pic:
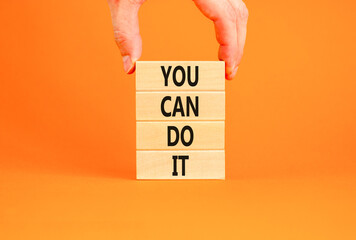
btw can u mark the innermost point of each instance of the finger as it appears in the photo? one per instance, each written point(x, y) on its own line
point(224, 16)
point(241, 26)
point(124, 15)
point(228, 46)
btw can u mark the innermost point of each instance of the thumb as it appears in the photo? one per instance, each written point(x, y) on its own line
point(124, 14)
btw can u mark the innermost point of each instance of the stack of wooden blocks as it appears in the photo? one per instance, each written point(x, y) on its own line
point(180, 114)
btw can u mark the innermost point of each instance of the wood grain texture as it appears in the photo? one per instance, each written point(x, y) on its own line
point(211, 105)
point(172, 97)
point(154, 135)
point(200, 165)
point(149, 75)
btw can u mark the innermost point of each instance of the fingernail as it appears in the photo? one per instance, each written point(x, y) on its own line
point(232, 73)
point(128, 64)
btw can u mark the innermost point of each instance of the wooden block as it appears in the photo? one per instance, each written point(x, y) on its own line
point(162, 75)
point(180, 106)
point(163, 135)
point(198, 165)
point(180, 113)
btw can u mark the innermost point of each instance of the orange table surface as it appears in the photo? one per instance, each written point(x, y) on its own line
point(48, 206)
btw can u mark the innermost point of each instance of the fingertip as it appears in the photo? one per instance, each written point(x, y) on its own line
point(228, 55)
point(132, 69)
point(129, 65)
point(228, 77)
point(230, 73)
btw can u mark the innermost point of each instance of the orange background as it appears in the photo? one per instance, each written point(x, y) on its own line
point(67, 125)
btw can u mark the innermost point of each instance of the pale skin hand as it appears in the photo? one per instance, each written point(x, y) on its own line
point(229, 17)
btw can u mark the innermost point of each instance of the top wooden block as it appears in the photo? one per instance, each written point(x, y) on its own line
point(180, 75)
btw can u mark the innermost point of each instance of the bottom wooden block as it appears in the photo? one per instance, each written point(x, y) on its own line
point(207, 164)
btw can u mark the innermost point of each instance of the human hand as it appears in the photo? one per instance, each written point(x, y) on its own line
point(229, 17)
